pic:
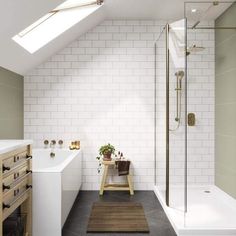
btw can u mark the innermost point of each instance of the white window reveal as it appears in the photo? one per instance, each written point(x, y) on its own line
point(55, 23)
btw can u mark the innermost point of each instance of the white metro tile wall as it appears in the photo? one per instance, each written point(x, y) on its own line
point(201, 101)
point(99, 89)
point(201, 83)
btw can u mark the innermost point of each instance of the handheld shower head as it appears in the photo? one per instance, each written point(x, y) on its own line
point(179, 74)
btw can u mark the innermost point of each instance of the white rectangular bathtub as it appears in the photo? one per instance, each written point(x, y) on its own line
point(56, 183)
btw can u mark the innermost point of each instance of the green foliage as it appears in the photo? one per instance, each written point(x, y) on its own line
point(106, 149)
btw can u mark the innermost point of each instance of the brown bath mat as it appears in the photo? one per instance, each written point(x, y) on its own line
point(125, 217)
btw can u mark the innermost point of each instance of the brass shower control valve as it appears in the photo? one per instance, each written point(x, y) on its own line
point(191, 119)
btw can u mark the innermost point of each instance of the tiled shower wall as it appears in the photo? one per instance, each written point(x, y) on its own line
point(201, 101)
point(201, 86)
point(100, 89)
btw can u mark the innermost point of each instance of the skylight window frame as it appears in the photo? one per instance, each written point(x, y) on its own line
point(19, 38)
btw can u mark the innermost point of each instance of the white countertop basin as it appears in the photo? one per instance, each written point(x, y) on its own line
point(11, 144)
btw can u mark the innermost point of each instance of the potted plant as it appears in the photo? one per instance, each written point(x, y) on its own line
point(106, 151)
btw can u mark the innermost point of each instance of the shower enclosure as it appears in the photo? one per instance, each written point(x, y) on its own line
point(195, 110)
point(170, 110)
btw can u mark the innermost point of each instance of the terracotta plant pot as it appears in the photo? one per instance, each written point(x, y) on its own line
point(107, 157)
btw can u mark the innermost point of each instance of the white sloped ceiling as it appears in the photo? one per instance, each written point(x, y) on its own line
point(16, 15)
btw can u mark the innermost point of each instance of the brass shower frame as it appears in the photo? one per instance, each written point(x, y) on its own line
point(194, 27)
point(215, 3)
point(55, 11)
point(165, 30)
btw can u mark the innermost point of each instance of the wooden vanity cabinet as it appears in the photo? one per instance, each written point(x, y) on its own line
point(16, 185)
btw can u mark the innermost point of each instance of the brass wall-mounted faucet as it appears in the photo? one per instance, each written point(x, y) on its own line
point(46, 142)
point(60, 143)
point(52, 143)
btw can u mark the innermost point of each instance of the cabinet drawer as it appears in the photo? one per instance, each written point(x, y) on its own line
point(14, 154)
point(10, 165)
point(16, 193)
point(11, 203)
point(15, 178)
point(14, 160)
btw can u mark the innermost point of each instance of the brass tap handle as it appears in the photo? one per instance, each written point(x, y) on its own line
point(60, 142)
point(52, 154)
point(53, 142)
point(46, 142)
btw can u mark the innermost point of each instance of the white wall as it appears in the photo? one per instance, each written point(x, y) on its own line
point(201, 86)
point(100, 89)
point(201, 101)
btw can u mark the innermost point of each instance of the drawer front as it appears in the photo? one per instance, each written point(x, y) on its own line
point(14, 160)
point(13, 164)
point(14, 154)
point(16, 180)
point(16, 177)
point(16, 193)
point(8, 207)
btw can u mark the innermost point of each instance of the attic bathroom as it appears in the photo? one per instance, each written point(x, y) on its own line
point(118, 118)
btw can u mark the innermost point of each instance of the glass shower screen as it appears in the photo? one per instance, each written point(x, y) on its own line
point(177, 115)
point(170, 115)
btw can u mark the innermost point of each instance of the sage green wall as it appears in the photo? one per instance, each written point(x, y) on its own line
point(11, 105)
point(225, 164)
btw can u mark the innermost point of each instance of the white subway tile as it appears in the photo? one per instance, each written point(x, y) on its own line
point(100, 89)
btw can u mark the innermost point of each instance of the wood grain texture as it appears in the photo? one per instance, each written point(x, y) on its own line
point(114, 186)
point(24, 198)
point(117, 217)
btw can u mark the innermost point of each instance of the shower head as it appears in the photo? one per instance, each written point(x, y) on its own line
point(179, 74)
point(194, 48)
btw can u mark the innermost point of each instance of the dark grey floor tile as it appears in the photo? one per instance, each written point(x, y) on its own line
point(77, 220)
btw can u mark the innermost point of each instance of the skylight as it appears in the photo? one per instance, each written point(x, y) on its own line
point(55, 23)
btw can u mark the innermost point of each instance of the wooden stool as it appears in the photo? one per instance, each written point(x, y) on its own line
point(115, 187)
